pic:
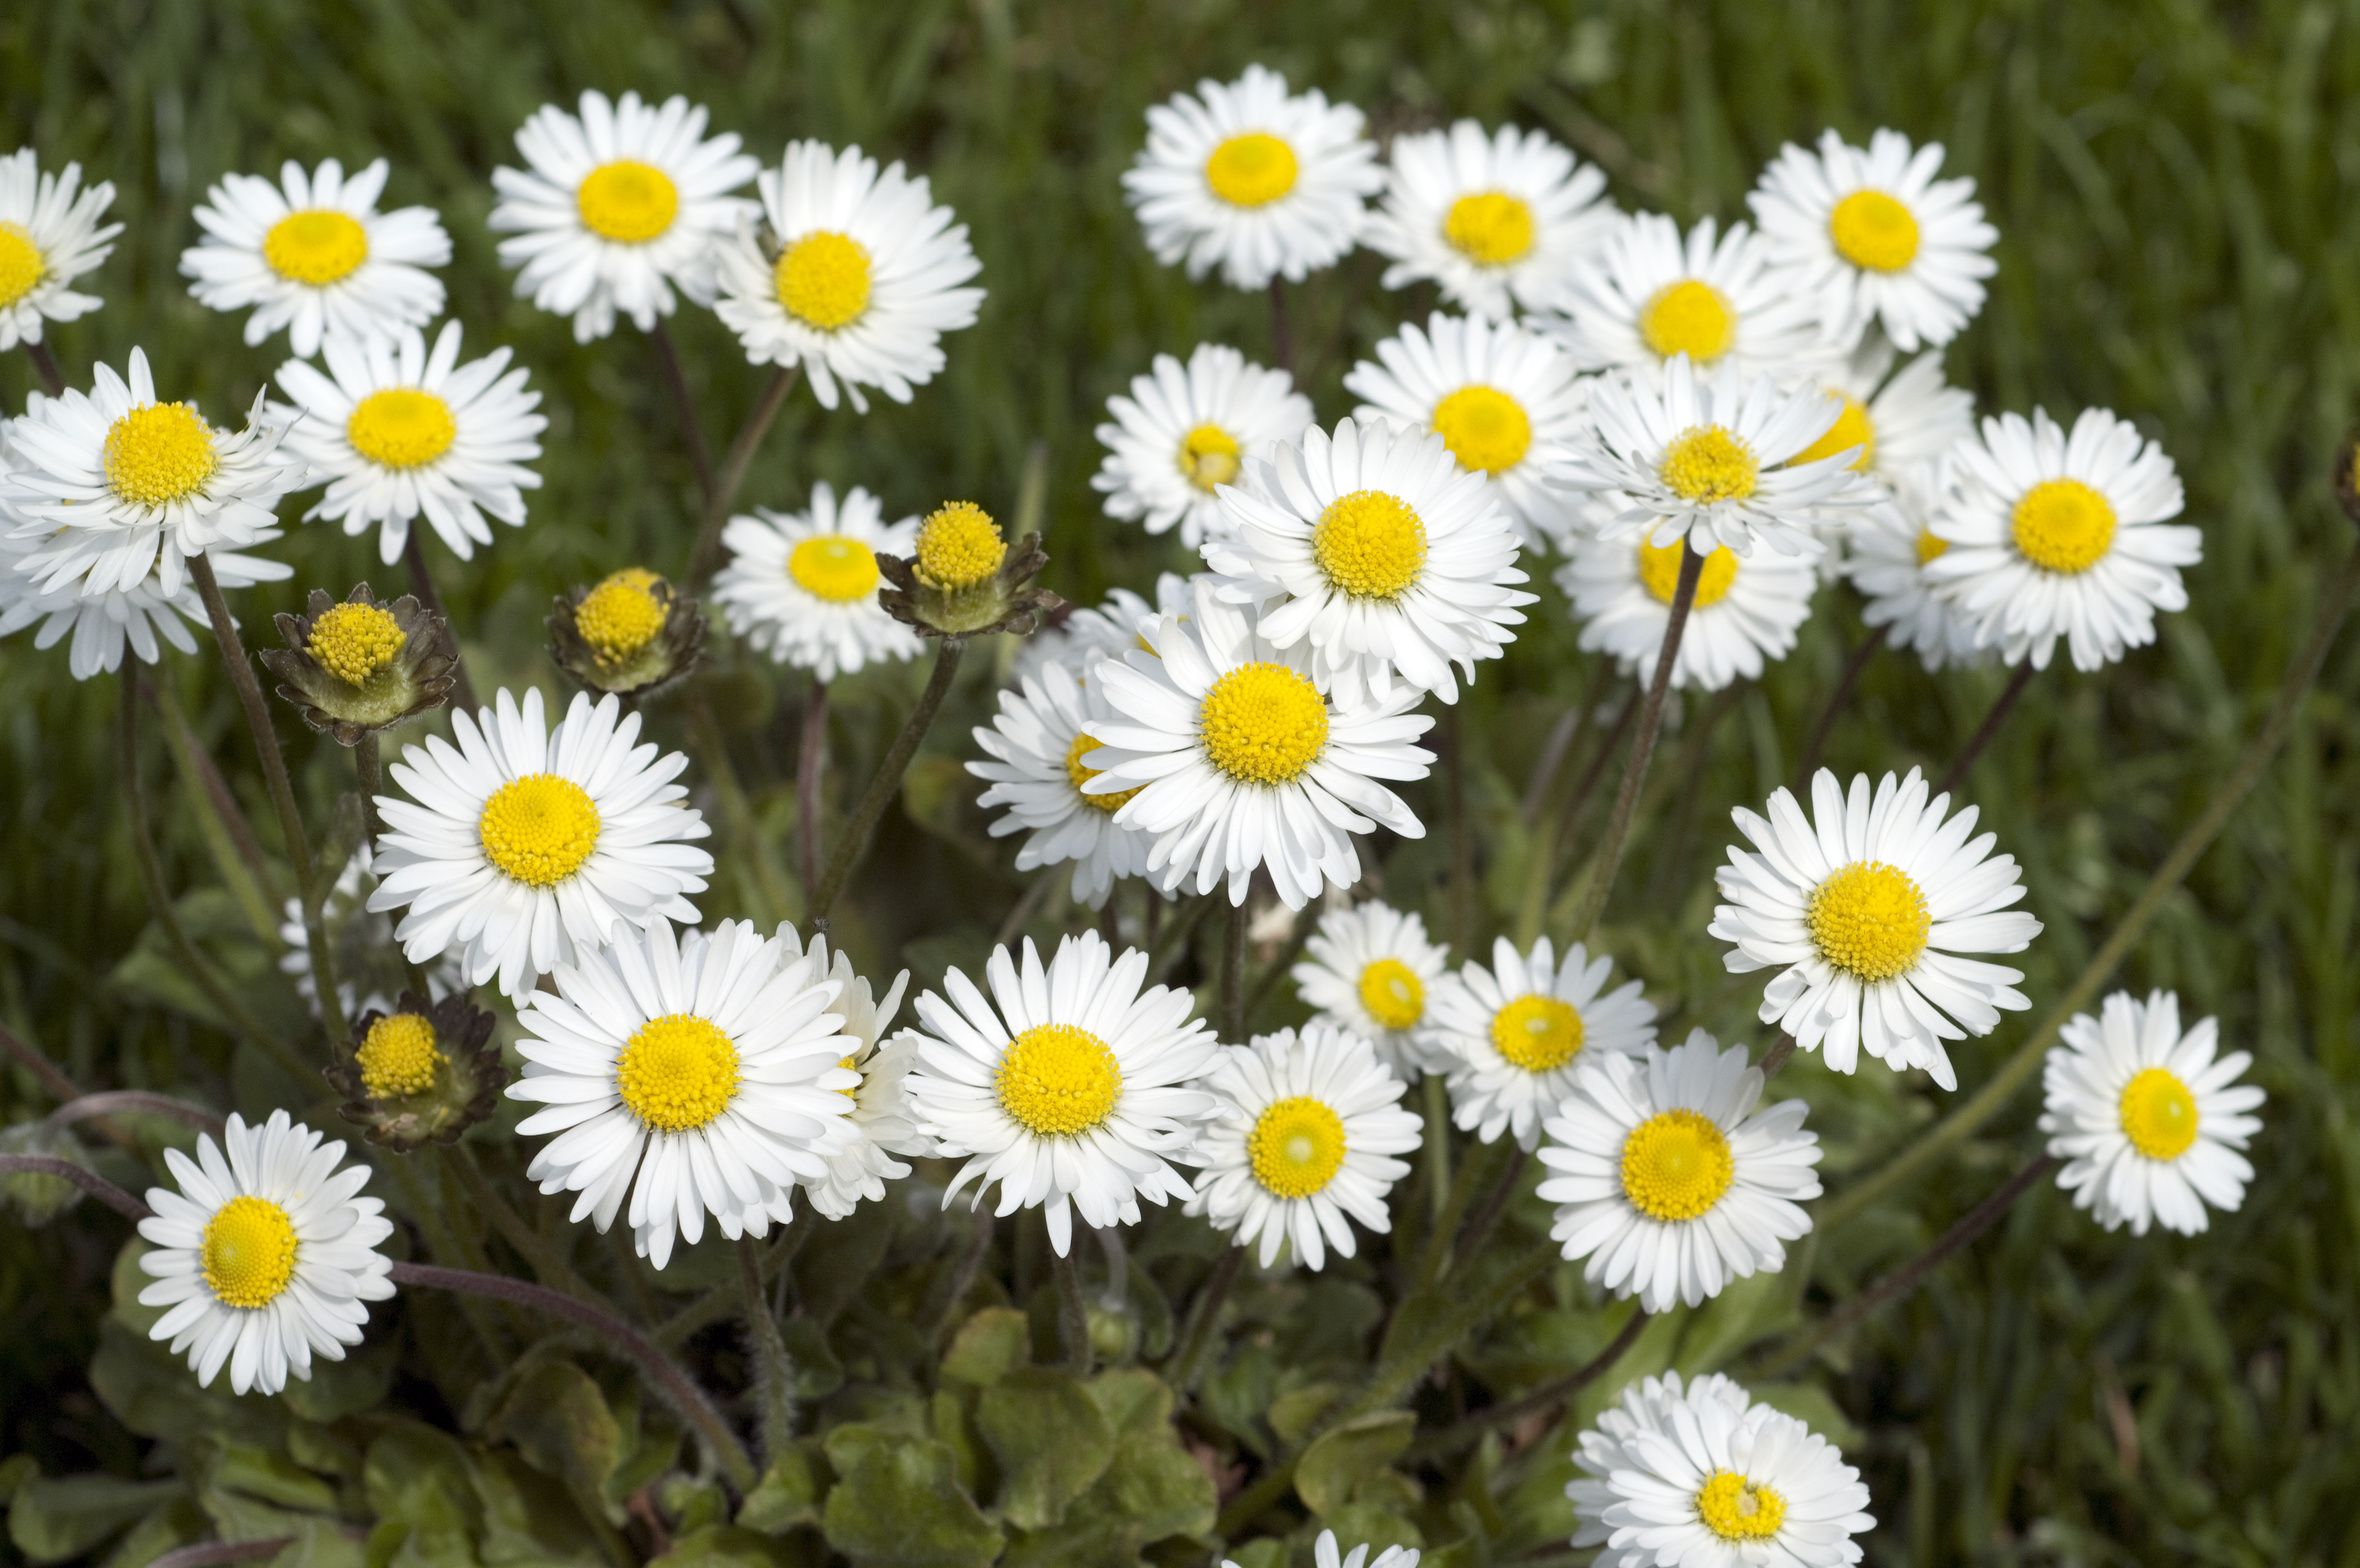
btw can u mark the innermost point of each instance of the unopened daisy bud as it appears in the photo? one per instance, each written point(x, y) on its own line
point(359, 666)
point(966, 580)
point(423, 1073)
point(632, 634)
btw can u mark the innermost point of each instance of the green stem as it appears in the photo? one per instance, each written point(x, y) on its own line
point(887, 783)
point(1471, 1179)
point(706, 558)
point(1502, 1193)
point(774, 1370)
point(1546, 1397)
point(1281, 963)
point(1437, 1093)
point(1964, 762)
point(737, 812)
point(810, 763)
point(236, 851)
point(422, 585)
point(1073, 1315)
point(368, 766)
point(45, 365)
point(1850, 678)
point(553, 1270)
point(1233, 975)
point(1204, 1321)
point(692, 425)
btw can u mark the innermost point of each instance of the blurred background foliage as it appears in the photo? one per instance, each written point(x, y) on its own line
point(2178, 191)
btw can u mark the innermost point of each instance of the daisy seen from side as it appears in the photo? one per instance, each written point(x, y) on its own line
point(1645, 295)
point(1184, 431)
point(1517, 1030)
point(1887, 550)
point(50, 234)
point(1093, 631)
point(1035, 747)
point(802, 586)
point(880, 1123)
point(1744, 612)
point(1497, 220)
point(1371, 971)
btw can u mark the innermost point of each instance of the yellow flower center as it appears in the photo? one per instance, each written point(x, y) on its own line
point(1058, 1080)
point(1675, 1166)
point(1873, 230)
point(823, 279)
point(2062, 525)
point(1371, 544)
point(1929, 546)
point(1735, 1509)
point(1392, 993)
point(1537, 1033)
point(1252, 170)
point(401, 427)
point(852, 1094)
point(1296, 1146)
point(1263, 724)
point(354, 641)
point(1485, 429)
point(1490, 229)
point(539, 828)
point(1209, 457)
point(1081, 747)
point(316, 246)
point(399, 1056)
point(22, 266)
point(1659, 569)
point(1851, 429)
point(1689, 317)
point(159, 454)
point(678, 1072)
point(627, 201)
point(1705, 464)
point(621, 615)
point(1869, 920)
point(834, 568)
point(248, 1252)
point(2158, 1114)
point(959, 546)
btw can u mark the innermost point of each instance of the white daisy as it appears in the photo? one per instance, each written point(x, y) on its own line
point(700, 1075)
point(1863, 908)
point(1372, 972)
point(1873, 237)
point(1888, 549)
point(527, 845)
point(1701, 1475)
point(1388, 561)
point(266, 1254)
point(881, 1121)
point(1497, 221)
point(1186, 431)
point(620, 206)
point(1672, 1178)
point(1644, 295)
point(50, 235)
point(1301, 1134)
point(141, 616)
point(1744, 611)
point(857, 280)
point(1037, 744)
point(314, 255)
point(1505, 400)
point(1516, 1032)
point(2148, 1120)
point(2063, 535)
point(1245, 177)
point(802, 586)
point(1091, 632)
point(1069, 1092)
point(1240, 762)
point(1327, 1554)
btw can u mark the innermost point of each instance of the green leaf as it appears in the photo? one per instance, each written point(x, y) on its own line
point(52, 1520)
point(558, 1419)
point(1748, 1309)
point(1133, 1399)
point(15, 1471)
point(727, 1546)
point(1154, 1487)
point(421, 1478)
point(153, 1392)
point(529, 1517)
point(1294, 1413)
point(178, 1523)
point(790, 1491)
point(1050, 1439)
point(337, 1389)
point(1333, 1467)
point(900, 1507)
point(988, 1347)
point(1374, 1523)
point(818, 1373)
point(270, 1477)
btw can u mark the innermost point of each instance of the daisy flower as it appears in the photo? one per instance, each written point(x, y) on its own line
point(1091, 632)
point(1240, 762)
point(1327, 1554)
point(1302, 1133)
point(1244, 177)
point(1186, 431)
point(1516, 1032)
point(880, 1120)
point(864, 279)
point(1065, 1086)
point(1497, 221)
point(802, 586)
point(619, 207)
point(266, 1254)
point(50, 235)
point(698, 1075)
point(1672, 1178)
point(142, 616)
point(1897, 424)
point(1644, 295)
point(2148, 1120)
point(1872, 237)
point(2054, 534)
point(395, 432)
point(523, 846)
point(1863, 908)
point(1037, 744)
point(369, 977)
point(1505, 400)
point(1888, 549)
point(1744, 611)
point(314, 255)
point(1372, 972)
point(1389, 561)
point(1700, 1474)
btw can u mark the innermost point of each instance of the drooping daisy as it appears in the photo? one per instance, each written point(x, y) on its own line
point(880, 1122)
point(1644, 295)
point(1240, 762)
point(620, 206)
point(865, 279)
point(1372, 972)
point(1037, 744)
point(802, 586)
point(524, 846)
point(1066, 1086)
point(1505, 400)
point(50, 235)
point(2148, 1120)
point(1700, 1474)
point(314, 255)
point(1302, 1133)
point(1874, 237)
point(1497, 221)
point(2063, 535)
point(1672, 1178)
point(1516, 1032)
point(1863, 908)
point(265, 1255)
point(1242, 176)
point(1186, 431)
point(397, 433)
point(1744, 611)
point(1389, 561)
point(1327, 1554)
point(1887, 551)
point(699, 1075)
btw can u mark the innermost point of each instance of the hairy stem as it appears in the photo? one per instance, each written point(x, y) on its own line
point(1233, 974)
point(887, 783)
point(774, 1370)
point(529, 1243)
point(45, 366)
point(1073, 1315)
point(692, 425)
point(1835, 705)
point(422, 584)
point(89, 1181)
point(368, 767)
point(1471, 1178)
point(1282, 339)
point(105, 1103)
point(1437, 1151)
point(1546, 1397)
point(1964, 762)
point(706, 558)
point(810, 761)
point(1502, 1193)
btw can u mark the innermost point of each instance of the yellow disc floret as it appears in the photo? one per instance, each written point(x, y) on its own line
point(1392, 993)
point(1707, 463)
point(1263, 724)
point(1209, 457)
point(622, 614)
point(1874, 231)
point(1485, 429)
point(2062, 525)
point(1736, 1509)
point(22, 266)
point(1371, 544)
point(354, 641)
point(1689, 317)
point(823, 279)
point(1296, 1146)
point(401, 427)
point(834, 568)
point(1869, 920)
point(1252, 170)
point(248, 1252)
point(1851, 429)
point(1930, 546)
point(1058, 1080)
point(959, 546)
point(539, 828)
point(399, 1056)
point(1659, 570)
point(1490, 229)
point(1675, 1166)
point(2158, 1114)
point(316, 247)
point(1538, 1033)
point(627, 201)
point(677, 1072)
point(1082, 746)
point(158, 454)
